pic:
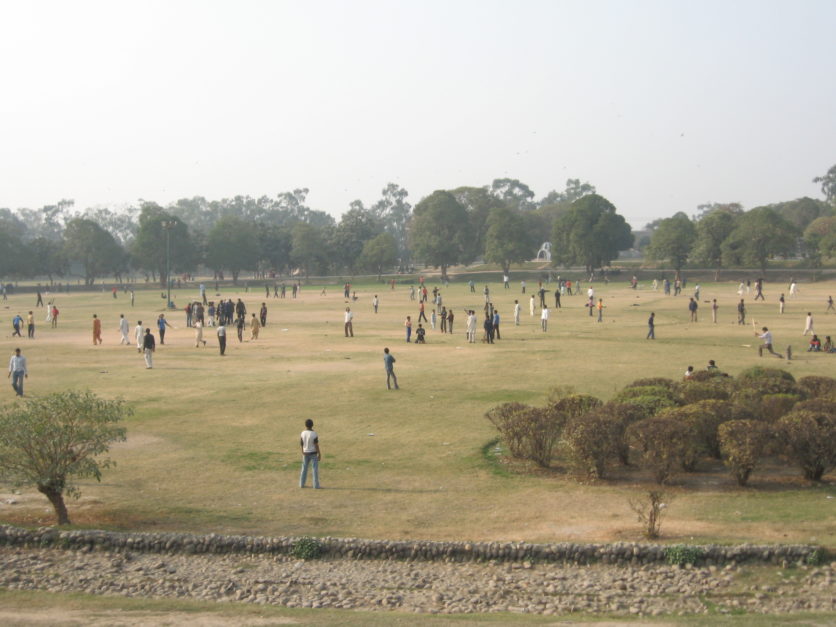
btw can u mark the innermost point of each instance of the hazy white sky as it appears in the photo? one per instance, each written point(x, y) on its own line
point(662, 104)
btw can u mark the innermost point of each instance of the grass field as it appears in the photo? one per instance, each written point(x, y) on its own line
point(213, 444)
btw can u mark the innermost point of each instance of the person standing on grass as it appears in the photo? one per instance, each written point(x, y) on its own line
point(517, 312)
point(714, 308)
point(408, 325)
point(421, 312)
point(830, 306)
point(30, 325)
point(262, 314)
point(97, 330)
point(139, 332)
point(40, 301)
point(162, 323)
point(781, 303)
point(149, 346)
point(240, 323)
point(692, 309)
point(349, 324)
point(389, 364)
point(18, 371)
point(124, 329)
point(375, 303)
point(651, 326)
point(544, 319)
point(471, 326)
point(600, 308)
point(487, 325)
point(808, 324)
point(255, 327)
point(531, 306)
point(741, 312)
point(766, 336)
point(221, 332)
point(496, 324)
point(16, 322)
point(450, 318)
point(311, 454)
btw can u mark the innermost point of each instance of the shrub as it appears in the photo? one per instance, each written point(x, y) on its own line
point(646, 390)
point(653, 381)
point(818, 404)
point(742, 443)
point(623, 415)
point(810, 441)
point(702, 432)
point(574, 405)
point(773, 406)
point(714, 389)
point(662, 445)
point(681, 554)
point(542, 428)
point(306, 549)
point(758, 373)
point(818, 387)
point(593, 439)
point(649, 406)
point(506, 419)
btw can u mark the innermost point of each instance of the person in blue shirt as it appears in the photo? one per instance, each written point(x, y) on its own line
point(496, 324)
point(389, 364)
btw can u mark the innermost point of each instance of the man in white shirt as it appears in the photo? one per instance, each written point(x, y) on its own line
point(517, 313)
point(349, 327)
point(766, 336)
point(18, 371)
point(311, 454)
point(124, 330)
point(139, 334)
point(544, 319)
point(808, 324)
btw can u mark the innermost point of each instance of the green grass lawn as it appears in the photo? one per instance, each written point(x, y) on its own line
point(214, 442)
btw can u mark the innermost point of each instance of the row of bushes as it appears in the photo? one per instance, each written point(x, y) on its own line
point(666, 427)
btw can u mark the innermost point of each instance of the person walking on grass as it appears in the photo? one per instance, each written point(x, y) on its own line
point(651, 326)
point(766, 336)
point(149, 346)
point(18, 371)
point(97, 331)
point(808, 324)
point(162, 323)
point(139, 333)
point(311, 454)
point(198, 334)
point(255, 327)
point(830, 306)
point(124, 330)
point(389, 364)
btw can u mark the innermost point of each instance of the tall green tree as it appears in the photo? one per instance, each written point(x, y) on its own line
point(149, 246)
point(395, 213)
point(672, 240)
point(308, 248)
point(357, 226)
point(802, 211)
point(274, 246)
point(50, 442)
point(591, 233)
point(478, 203)
point(507, 241)
point(48, 258)
point(820, 239)
point(439, 230)
point(828, 185)
point(94, 248)
point(232, 244)
point(379, 253)
point(711, 231)
point(760, 234)
point(513, 193)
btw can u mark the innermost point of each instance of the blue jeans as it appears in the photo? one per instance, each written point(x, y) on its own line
point(309, 458)
point(17, 381)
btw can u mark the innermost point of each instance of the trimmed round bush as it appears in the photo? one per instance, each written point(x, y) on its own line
point(593, 440)
point(810, 441)
point(653, 381)
point(661, 445)
point(506, 419)
point(818, 387)
point(743, 444)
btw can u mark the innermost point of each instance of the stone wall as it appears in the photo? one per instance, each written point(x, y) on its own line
point(621, 553)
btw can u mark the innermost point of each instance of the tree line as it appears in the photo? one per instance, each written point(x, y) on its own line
point(501, 223)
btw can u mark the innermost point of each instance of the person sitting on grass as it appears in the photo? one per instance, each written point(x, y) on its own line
point(828, 345)
point(815, 344)
point(420, 332)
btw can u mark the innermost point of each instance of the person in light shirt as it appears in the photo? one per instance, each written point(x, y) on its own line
point(18, 371)
point(766, 336)
point(311, 454)
point(349, 326)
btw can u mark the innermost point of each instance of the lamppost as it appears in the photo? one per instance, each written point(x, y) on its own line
point(167, 226)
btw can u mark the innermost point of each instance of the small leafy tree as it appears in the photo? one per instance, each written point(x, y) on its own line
point(810, 439)
point(543, 428)
point(506, 419)
point(50, 441)
point(649, 511)
point(742, 443)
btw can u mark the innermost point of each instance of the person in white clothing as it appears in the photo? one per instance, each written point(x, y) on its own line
point(311, 454)
point(531, 305)
point(349, 326)
point(517, 313)
point(18, 371)
point(139, 334)
point(471, 326)
point(124, 329)
point(766, 336)
point(544, 319)
point(808, 325)
point(198, 334)
point(590, 293)
point(793, 288)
